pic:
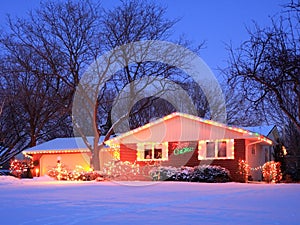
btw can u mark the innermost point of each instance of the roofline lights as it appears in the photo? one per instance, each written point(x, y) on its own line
point(172, 115)
point(54, 151)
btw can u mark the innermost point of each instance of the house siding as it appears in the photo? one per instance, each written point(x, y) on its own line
point(233, 164)
point(186, 159)
point(128, 153)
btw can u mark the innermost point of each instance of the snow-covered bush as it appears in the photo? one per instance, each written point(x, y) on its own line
point(203, 173)
point(272, 172)
point(164, 173)
point(211, 174)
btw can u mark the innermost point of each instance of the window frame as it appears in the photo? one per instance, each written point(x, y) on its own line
point(143, 147)
point(202, 149)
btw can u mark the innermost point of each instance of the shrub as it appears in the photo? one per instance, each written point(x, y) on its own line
point(168, 173)
point(21, 168)
point(211, 174)
point(244, 170)
point(272, 172)
point(119, 170)
point(79, 174)
point(204, 173)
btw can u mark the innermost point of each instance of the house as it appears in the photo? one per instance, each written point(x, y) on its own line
point(185, 140)
point(257, 155)
point(71, 152)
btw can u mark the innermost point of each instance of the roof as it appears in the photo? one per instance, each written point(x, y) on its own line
point(197, 128)
point(263, 130)
point(58, 145)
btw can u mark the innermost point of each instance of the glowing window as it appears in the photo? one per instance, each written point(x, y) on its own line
point(216, 149)
point(222, 146)
point(152, 151)
point(210, 149)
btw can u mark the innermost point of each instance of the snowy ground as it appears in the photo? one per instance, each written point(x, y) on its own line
point(40, 201)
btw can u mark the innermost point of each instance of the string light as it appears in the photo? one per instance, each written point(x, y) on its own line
point(55, 151)
point(244, 132)
point(229, 149)
point(141, 150)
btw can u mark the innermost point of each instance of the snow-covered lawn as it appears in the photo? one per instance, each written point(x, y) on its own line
point(42, 201)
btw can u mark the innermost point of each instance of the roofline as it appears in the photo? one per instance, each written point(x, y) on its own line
point(49, 151)
point(274, 126)
point(172, 115)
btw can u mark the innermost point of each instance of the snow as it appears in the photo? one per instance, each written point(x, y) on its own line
point(4, 180)
point(61, 144)
point(263, 130)
point(45, 201)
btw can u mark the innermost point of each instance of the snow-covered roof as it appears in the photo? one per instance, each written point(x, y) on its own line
point(69, 144)
point(263, 130)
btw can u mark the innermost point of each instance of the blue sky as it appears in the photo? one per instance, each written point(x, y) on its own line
point(216, 22)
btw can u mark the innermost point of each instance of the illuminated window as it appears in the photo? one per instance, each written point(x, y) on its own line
point(210, 149)
point(148, 152)
point(152, 151)
point(158, 152)
point(222, 145)
point(216, 149)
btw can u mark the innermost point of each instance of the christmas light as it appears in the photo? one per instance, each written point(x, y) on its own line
point(244, 170)
point(27, 153)
point(37, 172)
point(245, 133)
point(229, 149)
point(181, 151)
point(272, 172)
point(151, 145)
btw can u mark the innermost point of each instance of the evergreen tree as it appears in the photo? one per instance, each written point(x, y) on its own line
point(279, 155)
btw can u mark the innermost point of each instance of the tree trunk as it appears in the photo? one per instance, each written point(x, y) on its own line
point(95, 162)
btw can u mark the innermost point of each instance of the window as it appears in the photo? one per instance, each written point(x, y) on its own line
point(253, 150)
point(216, 149)
point(210, 149)
point(222, 145)
point(267, 158)
point(152, 151)
point(158, 152)
point(148, 153)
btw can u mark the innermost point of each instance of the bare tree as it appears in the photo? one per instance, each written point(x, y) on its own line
point(265, 68)
point(42, 57)
point(128, 23)
point(49, 52)
point(264, 78)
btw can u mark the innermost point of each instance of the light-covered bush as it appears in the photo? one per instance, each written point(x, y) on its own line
point(60, 172)
point(244, 170)
point(119, 170)
point(272, 172)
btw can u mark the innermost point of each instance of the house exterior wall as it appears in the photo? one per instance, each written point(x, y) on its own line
point(70, 160)
point(233, 164)
point(128, 152)
point(256, 156)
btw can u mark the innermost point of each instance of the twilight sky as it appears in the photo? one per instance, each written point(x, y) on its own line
point(216, 22)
